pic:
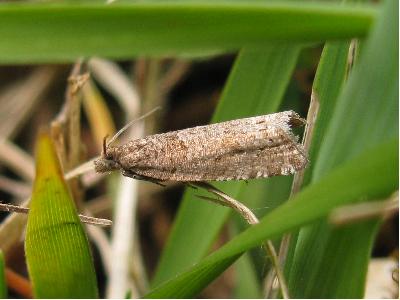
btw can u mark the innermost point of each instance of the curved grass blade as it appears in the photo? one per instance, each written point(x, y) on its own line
point(57, 251)
point(365, 116)
point(357, 179)
point(255, 86)
point(54, 32)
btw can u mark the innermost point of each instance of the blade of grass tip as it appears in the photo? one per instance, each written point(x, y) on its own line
point(58, 257)
point(3, 283)
point(333, 262)
point(255, 86)
point(359, 177)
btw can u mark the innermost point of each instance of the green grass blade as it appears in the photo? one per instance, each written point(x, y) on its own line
point(57, 251)
point(255, 86)
point(329, 79)
point(62, 32)
point(3, 283)
point(333, 262)
point(360, 178)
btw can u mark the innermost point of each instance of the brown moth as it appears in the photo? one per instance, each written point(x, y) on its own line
point(255, 147)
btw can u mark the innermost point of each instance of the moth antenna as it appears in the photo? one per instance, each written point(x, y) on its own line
point(121, 131)
point(104, 152)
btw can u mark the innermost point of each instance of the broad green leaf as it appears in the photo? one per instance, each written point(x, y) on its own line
point(255, 86)
point(359, 178)
point(366, 115)
point(57, 251)
point(61, 32)
point(3, 283)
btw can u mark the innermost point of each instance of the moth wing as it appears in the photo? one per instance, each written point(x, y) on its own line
point(253, 151)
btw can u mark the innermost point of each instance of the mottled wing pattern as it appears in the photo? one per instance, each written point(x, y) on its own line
point(248, 148)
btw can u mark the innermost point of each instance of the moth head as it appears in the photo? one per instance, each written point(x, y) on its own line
point(103, 164)
point(106, 162)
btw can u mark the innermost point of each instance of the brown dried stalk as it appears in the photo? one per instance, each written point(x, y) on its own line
point(18, 189)
point(19, 284)
point(365, 210)
point(248, 215)
point(19, 100)
point(17, 159)
point(174, 75)
point(65, 129)
point(83, 218)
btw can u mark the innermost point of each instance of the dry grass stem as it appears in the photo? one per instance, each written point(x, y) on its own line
point(19, 284)
point(352, 55)
point(118, 84)
point(18, 101)
point(83, 218)
point(174, 75)
point(249, 216)
point(65, 129)
point(81, 169)
point(114, 80)
point(137, 267)
point(76, 82)
point(100, 239)
point(365, 210)
point(17, 160)
point(100, 119)
point(15, 188)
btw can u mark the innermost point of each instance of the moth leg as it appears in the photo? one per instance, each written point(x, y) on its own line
point(191, 184)
point(133, 175)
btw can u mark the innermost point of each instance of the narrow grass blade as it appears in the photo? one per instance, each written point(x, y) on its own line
point(3, 283)
point(61, 32)
point(332, 262)
point(357, 179)
point(57, 251)
point(255, 86)
point(328, 82)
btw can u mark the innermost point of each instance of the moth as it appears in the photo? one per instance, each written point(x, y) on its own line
point(255, 147)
